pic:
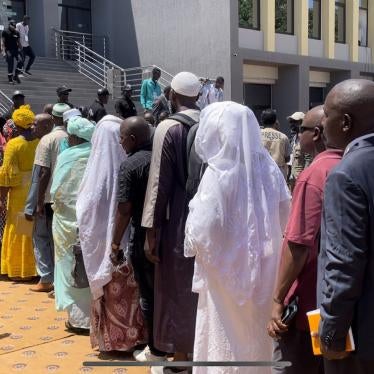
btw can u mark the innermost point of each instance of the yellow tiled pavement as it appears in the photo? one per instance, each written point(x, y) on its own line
point(33, 338)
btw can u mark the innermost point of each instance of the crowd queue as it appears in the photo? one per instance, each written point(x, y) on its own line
point(173, 233)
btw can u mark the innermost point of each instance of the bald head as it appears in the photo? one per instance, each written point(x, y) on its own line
point(149, 118)
point(135, 131)
point(311, 131)
point(48, 109)
point(314, 117)
point(43, 125)
point(349, 112)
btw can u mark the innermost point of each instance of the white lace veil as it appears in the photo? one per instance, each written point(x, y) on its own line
point(97, 202)
point(234, 222)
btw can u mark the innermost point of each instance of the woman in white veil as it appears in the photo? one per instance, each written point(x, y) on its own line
point(234, 230)
point(116, 319)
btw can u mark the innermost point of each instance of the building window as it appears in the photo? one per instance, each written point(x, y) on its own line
point(75, 15)
point(314, 20)
point(257, 97)
point(340, 21)
point(284, 16)
point(317, 96)
point(363, 24)
point(249, 14)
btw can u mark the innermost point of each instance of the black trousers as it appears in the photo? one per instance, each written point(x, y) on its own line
point(144, 276)
point(12, 55)
point(350, 365)
point(28, 52)
point(296, 347)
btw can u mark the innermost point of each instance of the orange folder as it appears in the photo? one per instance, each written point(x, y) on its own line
point(314, 318)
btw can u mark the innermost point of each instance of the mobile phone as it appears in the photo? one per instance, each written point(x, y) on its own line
point(290, 311)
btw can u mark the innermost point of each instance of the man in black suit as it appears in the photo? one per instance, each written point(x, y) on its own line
point(346, 261)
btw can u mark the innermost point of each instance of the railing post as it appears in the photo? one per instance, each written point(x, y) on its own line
point(84, 40)
point(56, 45)
point(63, 46)
point(104, 47)
point(79, 59)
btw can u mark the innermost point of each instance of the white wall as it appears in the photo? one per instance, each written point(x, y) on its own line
point(191, 35)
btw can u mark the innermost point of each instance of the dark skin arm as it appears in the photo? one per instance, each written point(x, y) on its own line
point(44, 177)
point(122, 220)
point(293, 260)
point(150, 252)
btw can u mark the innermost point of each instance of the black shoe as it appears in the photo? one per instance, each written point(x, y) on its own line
point(28, 72)
point(10, 79)
point(16, 78)
point(76, 330)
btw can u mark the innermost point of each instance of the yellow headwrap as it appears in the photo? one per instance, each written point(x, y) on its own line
point(23, 117)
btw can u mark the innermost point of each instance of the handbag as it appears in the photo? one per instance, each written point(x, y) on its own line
point(79, 274)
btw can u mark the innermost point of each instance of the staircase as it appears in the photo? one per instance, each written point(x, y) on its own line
point(47, 75)
point(80, 68)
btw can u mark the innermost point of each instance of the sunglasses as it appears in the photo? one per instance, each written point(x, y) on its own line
point(305, 128)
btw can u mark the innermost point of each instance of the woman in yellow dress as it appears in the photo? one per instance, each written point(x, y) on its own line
point(17, 256)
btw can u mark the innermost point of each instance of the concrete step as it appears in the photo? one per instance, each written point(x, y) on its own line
point(47, 75)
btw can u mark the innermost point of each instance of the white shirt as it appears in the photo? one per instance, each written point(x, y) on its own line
point(215, 94)
point(23, 33)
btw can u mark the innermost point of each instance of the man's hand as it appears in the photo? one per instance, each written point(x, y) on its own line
point(275, 326)
point(40, 210)
point(29, 217)
point(332, 355)
point(150, 250)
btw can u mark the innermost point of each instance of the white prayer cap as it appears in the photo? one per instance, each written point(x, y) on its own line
point(297, 116)
point(71, 114)
point(186, 84)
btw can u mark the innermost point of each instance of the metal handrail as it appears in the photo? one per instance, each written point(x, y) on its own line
point(5, 102)
point(76, 32)
point(65, 42)
point(100, 69)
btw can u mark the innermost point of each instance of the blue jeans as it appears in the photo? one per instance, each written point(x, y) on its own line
point(43, 245)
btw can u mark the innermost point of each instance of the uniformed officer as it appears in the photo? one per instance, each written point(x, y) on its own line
point(63, 95)
point(97, 109)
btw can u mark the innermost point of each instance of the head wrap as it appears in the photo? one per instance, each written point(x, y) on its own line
point(59, 109)
point(233, 227)
point(69, 114)
point(97, 203)
point(81, 127)
point(23, 117)
point(186, 84)
point(10, 130)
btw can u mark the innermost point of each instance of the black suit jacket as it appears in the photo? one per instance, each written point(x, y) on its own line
point(346, 262)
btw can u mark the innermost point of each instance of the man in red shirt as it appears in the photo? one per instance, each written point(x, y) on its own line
point(298, 267)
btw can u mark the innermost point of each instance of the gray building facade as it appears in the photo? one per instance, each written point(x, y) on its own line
point(203, 36)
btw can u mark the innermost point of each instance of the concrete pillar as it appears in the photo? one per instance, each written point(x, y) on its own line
point(291, 92)
point(352, 14)
point(338, 76)
point(267, 11)
point(44, 16)
point(328, 27)
point(301, 26)
point(234, 86)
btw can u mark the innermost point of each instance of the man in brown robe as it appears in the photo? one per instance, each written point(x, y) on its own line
point(165, 213)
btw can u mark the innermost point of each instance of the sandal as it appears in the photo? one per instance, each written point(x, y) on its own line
point(76, 330)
